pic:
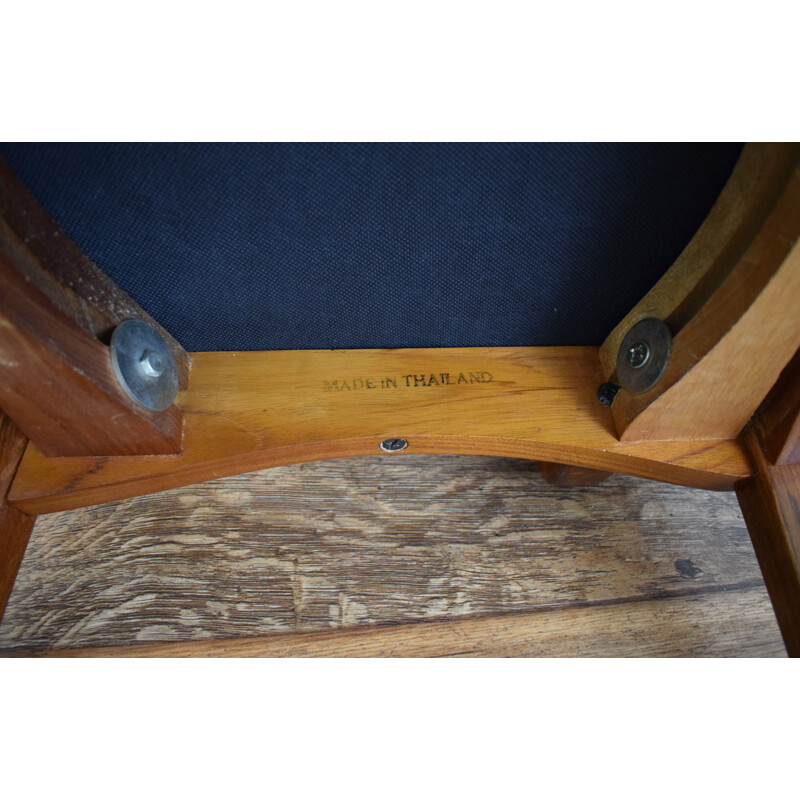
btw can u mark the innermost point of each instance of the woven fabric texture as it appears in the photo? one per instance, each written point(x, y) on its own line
point(294, 246)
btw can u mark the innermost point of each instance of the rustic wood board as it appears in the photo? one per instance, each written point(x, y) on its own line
point(627, 567)
point(706, 624)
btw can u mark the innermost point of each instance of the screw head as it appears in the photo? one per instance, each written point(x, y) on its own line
point(393, 445)
point(638, 355)
point(643, 355)
point(152, 364)
point(143, 365)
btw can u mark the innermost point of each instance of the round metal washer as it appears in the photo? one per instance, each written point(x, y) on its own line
point(144, 365)
point(643, 355)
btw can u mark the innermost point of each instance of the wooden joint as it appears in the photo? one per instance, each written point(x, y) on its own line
point(730, 303)
point(57, 310)
point(252, 410)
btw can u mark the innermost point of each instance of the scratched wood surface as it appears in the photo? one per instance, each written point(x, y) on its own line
point(344, 557)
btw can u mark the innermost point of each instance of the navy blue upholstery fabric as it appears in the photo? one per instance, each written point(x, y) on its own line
point(281, 246)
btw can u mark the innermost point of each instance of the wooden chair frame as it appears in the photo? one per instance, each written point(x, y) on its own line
point(724, 415)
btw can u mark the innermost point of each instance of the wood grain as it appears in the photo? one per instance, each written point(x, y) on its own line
point(779, 417)
point(15, 527)
point(12, 447)
point(749, 196)
point(315, 548)
point(57, 382)
point(248, 411)
point(57, 312)
point(770, 502)
point(728, 356)
point(723, 624)
point(565, 475)
point(60, 270)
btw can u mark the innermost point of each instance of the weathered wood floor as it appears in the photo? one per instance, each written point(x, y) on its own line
point(413, 555)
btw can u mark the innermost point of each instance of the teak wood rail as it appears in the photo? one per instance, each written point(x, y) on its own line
point(730, 304)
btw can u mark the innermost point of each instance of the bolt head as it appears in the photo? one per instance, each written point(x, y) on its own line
point(393, 445)
point(143, 365)
point(638, 355)
point(151, 364)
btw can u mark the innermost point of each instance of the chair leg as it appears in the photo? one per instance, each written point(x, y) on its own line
point(15, 527)
point(566, 475)
point(770, 503)
point(15, 530)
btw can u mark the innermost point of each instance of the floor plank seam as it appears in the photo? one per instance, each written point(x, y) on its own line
point(310, 635)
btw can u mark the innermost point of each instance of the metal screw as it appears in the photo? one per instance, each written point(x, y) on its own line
point(151, 364)
point(393, 445)
point(638, 355)
point(643, 355)
point(143, 365)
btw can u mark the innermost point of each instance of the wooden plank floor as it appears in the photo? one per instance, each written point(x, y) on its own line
point(414, 555)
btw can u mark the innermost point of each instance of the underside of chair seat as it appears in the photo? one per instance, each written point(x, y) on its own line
point(282, 246)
